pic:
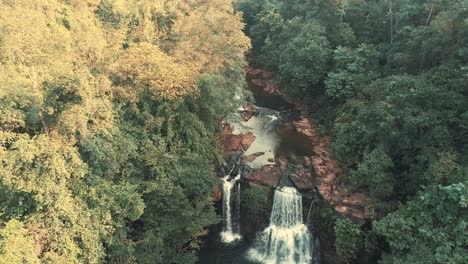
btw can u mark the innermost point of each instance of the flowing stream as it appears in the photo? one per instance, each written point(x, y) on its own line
point(266, 141)
point(286, 239)
point(231, 214)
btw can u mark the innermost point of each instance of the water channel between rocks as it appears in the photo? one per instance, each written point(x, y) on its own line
point(273, 137)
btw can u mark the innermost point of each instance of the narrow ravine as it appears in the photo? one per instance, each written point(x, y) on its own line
point(257, 153)
point(302, 144)
point(275, 142)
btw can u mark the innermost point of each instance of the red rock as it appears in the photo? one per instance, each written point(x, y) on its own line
point(257, 82)
point(270, 89)
point(266, 176)
point(267, 75)
point(232, 143)
point(302, 179)
point(217, 193)
point(251, 157)
point(341, 197)
point(247, 140)
point(254, 72)
point(248, 159)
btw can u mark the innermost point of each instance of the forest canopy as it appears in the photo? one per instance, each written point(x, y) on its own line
point(107, 143)
point(110, 112)
point(388, 80)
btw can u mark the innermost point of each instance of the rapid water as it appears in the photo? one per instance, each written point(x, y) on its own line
point(266, 141)
point(286, 240)
point(231, 214)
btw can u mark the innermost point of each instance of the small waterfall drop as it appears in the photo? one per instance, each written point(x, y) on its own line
point(286, 239)
point(231, 214)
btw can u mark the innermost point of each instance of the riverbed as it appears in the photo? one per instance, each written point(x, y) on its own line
point(274, 139)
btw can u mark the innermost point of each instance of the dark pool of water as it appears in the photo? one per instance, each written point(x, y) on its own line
point(294, 147)
point(216, 252)
point(275, 102)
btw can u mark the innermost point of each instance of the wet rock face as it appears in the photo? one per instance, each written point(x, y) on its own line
point(302, 179)
point(297, 145)
point(235, 143)
point(305, 146)
point(232, 143)
point(268, 176)
point(217, 192)
point(248, 159)
point(247, 140)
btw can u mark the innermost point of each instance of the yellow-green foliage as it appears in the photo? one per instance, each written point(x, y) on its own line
point(16, 245)
point(145, 66)
point(97, 116)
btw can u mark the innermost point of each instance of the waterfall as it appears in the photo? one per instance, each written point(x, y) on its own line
point(286, 239)
point(231, 213)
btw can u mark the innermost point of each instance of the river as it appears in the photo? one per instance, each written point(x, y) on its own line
point(274, 138)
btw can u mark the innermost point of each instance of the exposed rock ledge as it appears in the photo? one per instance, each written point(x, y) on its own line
point(320, 169)
point(235, 142)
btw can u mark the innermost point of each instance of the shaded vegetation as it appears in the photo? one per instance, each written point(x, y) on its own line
point(389, 78)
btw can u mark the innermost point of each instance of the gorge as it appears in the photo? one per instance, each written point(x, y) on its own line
point(233, 131)
point(264, 151)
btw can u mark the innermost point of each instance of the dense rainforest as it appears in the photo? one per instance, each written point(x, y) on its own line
point(388, 79)
point(110, 112)
point(108, 118)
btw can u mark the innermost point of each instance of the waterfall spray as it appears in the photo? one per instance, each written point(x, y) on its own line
point(231, 213)
point(286, 239)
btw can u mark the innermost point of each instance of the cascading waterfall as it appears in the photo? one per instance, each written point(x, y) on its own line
point(286, 239)
point(231, 211)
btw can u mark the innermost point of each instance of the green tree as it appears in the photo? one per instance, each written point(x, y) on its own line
point(348, 236)
point(355, 69)
point(305, 59)
point(429, 229)
point(374, 171)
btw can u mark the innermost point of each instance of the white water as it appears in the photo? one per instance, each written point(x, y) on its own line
point(286, 240)
point(265, 139)
point(230, 228)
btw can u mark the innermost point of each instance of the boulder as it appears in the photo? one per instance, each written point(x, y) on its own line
point(302, 179)
point(251, 157)
point(266, 176)
point(247, 140)
point(232, 143)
